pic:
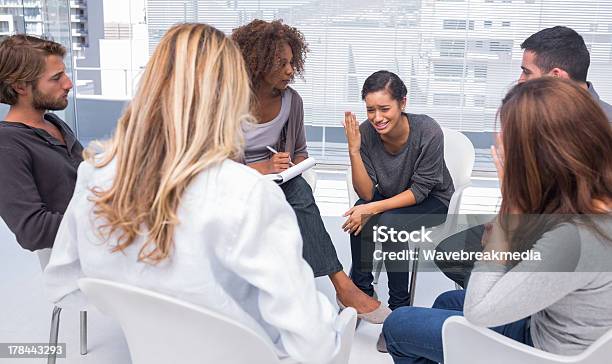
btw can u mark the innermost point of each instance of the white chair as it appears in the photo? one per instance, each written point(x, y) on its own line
point(459, 156)
point(465, 343)
point(43, 256)
point(185, 333)
point(311, 178)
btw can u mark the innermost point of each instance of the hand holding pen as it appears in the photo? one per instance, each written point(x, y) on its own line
point(279, 161)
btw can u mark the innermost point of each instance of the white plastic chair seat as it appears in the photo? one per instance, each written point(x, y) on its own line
point(465, 343)
point(181, 332)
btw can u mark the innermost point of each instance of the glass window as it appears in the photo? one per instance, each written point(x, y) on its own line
point(454, 24)
point(448, 70)
point(349, 39)
point(480, 71)
point(4, 26)
point(451, 48)
point(446, 99)
point(500, 45)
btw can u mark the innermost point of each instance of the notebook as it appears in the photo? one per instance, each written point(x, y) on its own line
point(292, 172)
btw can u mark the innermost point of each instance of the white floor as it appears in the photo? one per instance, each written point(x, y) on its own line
point(25, 314)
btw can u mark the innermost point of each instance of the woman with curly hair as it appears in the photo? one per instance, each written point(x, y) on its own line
point(274, 54)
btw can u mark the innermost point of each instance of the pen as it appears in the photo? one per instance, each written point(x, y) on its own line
point(276, 152)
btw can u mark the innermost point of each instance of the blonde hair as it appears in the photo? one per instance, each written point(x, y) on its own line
point(185, 117)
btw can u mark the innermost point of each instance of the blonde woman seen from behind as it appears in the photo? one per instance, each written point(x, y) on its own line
point(166, 208)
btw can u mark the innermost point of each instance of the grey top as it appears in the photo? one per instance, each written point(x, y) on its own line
point(607, 108)
point(569, 308)
point(259, 136)
point(292, 137)
point(418, 166)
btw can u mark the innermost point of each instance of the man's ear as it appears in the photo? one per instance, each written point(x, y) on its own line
point(21, 88)
point(559, 72)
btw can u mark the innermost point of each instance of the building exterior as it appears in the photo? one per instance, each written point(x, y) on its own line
point(30, 16)
point(457, 57)
point(10, 24)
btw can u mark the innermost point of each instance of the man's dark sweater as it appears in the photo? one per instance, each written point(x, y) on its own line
point(37, 178)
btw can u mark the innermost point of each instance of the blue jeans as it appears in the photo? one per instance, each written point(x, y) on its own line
point(430, 212)
point(414, 334)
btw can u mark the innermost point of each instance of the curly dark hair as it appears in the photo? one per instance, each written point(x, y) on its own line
point(260, 41)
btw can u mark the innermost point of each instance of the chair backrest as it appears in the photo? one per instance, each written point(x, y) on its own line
point(345, 324)
point(161, 329)
point(352, 195)
point(185, 333)
point(311, 178)
point(460, 338)
point(459, 156)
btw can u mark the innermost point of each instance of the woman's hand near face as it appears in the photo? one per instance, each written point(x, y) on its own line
point(351, 130)
point(497, 151)
point(495, 239)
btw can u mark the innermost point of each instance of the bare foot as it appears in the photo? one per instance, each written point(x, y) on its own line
point(350, 295)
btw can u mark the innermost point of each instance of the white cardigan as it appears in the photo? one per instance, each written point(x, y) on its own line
point(238, 251)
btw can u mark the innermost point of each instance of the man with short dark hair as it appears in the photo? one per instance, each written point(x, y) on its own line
point(39, 154)
point(558, 52)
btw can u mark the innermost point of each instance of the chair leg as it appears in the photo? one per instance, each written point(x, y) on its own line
point(377, 265)
point(413, 275)
point(377, 269)
point(83, 332)
point(55, 320)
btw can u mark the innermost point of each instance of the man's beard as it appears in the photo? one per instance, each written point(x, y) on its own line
point(41, 101)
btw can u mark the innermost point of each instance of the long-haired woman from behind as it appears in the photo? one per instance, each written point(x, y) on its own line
point(554, 165)
point(166, 208)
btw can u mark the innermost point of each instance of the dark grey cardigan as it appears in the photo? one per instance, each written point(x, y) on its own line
point(293, 136)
